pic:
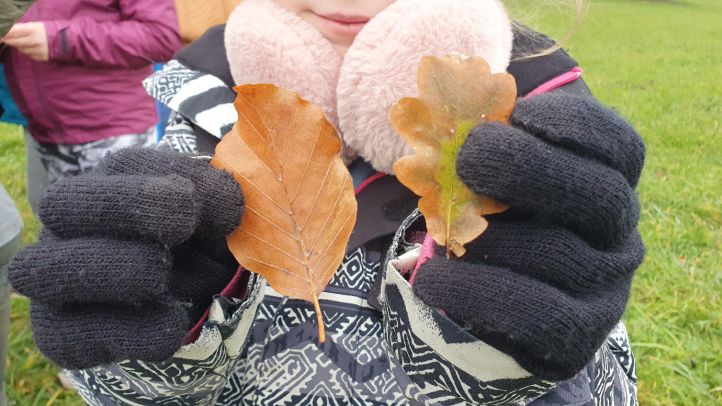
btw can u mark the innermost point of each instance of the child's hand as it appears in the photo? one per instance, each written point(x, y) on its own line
point(130, 256)
point(549, 278)
point(29, 39)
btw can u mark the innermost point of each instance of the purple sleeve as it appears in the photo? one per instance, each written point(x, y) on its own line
point(147, 33)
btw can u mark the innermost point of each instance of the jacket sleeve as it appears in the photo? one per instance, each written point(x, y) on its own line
point(201, 107)
point(196, 374)
point(437, 361)
point(146, 32)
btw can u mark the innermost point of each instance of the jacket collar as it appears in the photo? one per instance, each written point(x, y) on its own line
point(268, 44)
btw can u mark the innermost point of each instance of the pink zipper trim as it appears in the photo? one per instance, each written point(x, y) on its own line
point(371, 179)
point(427, 252)
point(557, 82)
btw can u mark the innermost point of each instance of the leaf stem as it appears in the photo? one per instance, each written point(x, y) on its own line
point(319, 318)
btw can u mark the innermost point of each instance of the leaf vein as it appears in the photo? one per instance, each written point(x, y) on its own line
point(272, 245)
point(338, 234)
point(285, 210)
point(254, 211)
point(339, 195)
point(250, 123)
point(308, 162)
point(318, 193)
point(278, 268)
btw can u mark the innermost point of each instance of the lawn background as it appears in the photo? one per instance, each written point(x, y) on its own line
point(660, 64)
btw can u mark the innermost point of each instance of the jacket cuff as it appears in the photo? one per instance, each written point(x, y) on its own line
point(195, 375)
point(236, 289)
point(482, 374)
point(58, 43)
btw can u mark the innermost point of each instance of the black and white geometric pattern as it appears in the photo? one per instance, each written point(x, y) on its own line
point(165, 84)
point(618, 343)
point(179, 135)
point(61, 160)
point(202, 99)
point(284, 364)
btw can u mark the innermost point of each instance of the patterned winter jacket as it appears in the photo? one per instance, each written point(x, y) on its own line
point(384, 346)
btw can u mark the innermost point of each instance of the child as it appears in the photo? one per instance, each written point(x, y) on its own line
point(127, 264)
point(75, 69)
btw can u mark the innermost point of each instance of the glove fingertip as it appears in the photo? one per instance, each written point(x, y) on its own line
point(219, 195)
point(586, 127)
point(485, 160)
point(223, 209)
point(18, 270)
point(428, 279)
point(179, 213)
point(159, 342)
point(163, 208)
point(84, 336)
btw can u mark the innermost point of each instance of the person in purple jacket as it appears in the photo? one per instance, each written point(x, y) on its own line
point(75, 69)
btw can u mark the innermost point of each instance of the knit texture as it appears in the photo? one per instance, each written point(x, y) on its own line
point(550, 278)
point(130, 257)
point(554, 181)
point(585, 127)
point(130, 206)
point(86, 335)
point(551, 333)
point(220, 196)
point(202, 268)
point(555, 256)
point(93, 270)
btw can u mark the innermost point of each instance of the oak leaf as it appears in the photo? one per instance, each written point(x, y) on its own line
point(300, 206)
point(456, 94)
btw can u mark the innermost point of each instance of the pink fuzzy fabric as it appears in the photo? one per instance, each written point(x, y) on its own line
point(268, 44)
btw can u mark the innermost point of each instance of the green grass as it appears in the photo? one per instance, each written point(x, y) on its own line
point(660, 64)
point(12, 176)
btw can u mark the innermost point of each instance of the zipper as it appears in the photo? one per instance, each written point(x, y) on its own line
point(371, 179)
point(556, 82)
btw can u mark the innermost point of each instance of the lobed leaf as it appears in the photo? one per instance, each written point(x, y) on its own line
point(456, 95)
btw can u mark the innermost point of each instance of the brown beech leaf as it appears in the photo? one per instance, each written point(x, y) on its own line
point(300, 203)
point(456, 95)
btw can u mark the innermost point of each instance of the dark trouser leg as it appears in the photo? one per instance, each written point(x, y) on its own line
point(37, 175)
point(6, 253)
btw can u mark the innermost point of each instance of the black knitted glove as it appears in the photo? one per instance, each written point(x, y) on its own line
point(130, 257)
point(549, 278)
